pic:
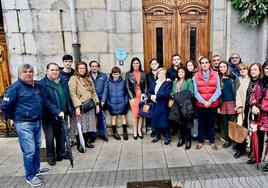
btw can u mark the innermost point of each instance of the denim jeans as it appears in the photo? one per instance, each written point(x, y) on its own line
point(29, 134)
point(101, 122)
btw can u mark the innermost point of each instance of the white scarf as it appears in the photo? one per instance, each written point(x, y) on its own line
point(158, 85)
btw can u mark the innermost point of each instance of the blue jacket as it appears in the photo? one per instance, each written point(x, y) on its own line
point(115, 94)
point(23, 102)
point(53, 97)
point(234, 68)
point(160, 109)
point(100, 83)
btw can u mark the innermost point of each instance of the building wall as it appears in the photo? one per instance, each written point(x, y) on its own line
point(39, 32)
point(250, 43)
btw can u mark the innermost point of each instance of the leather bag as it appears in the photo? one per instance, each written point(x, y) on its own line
point(170, 103)
point(145, 109)
point(237, 132)
point(87, 105)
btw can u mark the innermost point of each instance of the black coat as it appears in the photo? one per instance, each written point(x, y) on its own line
point(183, 108)
point(131, 84)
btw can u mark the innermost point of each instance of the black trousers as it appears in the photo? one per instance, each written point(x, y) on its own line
point(53, 130)
point(185, 130)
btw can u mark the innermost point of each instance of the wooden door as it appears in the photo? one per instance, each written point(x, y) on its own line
point(185, 29)
point(194, 32)
point(159, 34)
point(4, 69)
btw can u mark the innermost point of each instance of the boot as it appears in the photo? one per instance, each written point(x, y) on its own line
point(188, 144)
point(125, 136)
point(181, 142)
point(79, 146)
point(115, 134)
point(87, 140)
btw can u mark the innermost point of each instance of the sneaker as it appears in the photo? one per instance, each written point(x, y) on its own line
point(42, 171)
point(35, 182)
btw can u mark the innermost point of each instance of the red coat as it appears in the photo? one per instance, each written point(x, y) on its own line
point(207, 89)
point(260, 99)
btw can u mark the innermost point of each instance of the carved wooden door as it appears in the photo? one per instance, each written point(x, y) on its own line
point(175, 26)
point(194, 32)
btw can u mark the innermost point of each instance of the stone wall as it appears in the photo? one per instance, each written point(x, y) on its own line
point(250, 43)
point(218, 27)
point(39, 32)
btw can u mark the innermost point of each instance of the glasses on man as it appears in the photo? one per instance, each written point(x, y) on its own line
point(235, 57)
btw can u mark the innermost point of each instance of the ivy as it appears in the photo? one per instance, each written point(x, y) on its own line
point(253, 12)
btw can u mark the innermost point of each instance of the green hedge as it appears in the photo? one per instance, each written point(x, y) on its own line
point(253, 12)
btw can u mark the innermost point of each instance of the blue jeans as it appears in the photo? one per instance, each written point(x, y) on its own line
point(101, 122)
point(29, 134)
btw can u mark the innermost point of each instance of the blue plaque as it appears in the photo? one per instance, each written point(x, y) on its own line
point(120, 54)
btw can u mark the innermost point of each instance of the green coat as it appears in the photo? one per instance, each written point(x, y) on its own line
point(186, 85)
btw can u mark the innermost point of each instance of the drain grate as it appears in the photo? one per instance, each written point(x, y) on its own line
point(150, 184)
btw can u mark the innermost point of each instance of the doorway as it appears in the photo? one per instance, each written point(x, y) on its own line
point(177, 26)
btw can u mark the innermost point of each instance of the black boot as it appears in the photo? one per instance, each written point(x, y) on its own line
point(188, 144)
point(79, 146)
point(181, 142)
point(125, 136)
point(88, 140)
point(115, 134)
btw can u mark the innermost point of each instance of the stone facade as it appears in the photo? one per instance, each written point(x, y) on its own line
point(40, 31)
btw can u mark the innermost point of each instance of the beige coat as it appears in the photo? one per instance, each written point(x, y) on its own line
point(242, 93)
point(80, 92)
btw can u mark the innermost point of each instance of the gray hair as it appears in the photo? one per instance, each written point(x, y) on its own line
point(25, 67)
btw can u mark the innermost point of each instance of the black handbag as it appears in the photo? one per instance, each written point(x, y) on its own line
point(87, 105)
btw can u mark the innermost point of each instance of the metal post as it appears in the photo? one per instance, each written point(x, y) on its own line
point(75, 45)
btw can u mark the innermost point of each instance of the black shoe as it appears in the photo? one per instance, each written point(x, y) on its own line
point(156, 139)
point(250, 154)
point(61, 157)
point(135, 137)
point(265, 168)
point(251, 161)
point(104, 138)
point(80, 148)
point(227, 144)
point(51, 162)
point(194, 138)
point(125, 136)
point(237, 154)
point(89, 145)
point(181, 142)
point(116, 136)
point(152, 134)
point(140, 136)
point(188, 144)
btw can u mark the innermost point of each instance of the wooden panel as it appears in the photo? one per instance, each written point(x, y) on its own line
point(176, 18)
point(5, 80)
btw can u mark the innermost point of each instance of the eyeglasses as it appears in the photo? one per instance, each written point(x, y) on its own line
point(243, 68)
point(206, 62)
point(235, 57)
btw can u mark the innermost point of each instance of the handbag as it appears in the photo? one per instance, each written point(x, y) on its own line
point(87, 105)
point(237, 132)
point(170, 103)
point(145, 109)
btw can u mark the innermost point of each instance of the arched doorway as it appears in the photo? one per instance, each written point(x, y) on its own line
point(175, 26)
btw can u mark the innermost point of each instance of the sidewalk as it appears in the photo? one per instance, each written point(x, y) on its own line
point(115, 163)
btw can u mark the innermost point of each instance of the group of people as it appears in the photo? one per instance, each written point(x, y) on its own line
point(188, 97)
